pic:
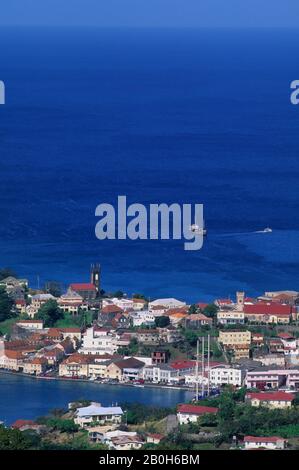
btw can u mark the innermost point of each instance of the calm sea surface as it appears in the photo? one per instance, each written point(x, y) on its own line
point(27, 398)
point(159, 116)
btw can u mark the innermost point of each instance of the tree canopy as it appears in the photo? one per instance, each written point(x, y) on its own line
point(50, 313)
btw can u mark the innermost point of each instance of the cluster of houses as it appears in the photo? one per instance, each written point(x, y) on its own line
point(269, 364)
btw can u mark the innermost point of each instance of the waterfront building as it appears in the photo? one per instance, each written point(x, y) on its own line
point(125, 370)
point(225, 375)
point(95, 413)
point(35, 366)
point(272, 378)
point(99, 341)
point(76, 365)
point(161, 373)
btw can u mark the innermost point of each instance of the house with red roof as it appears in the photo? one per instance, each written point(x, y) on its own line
point(264, 442)
point(269, 312)
point(35, 366)
point(24, 424)
point(270, 399)
point(190, 413)
point(86, 290)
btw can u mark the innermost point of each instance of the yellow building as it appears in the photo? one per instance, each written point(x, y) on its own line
point(279, 400)
point(35, 366)
point(76, 365)
point(231, 338)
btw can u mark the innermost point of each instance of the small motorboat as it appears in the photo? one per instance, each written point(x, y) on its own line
point(267, 230)
point(197, 229)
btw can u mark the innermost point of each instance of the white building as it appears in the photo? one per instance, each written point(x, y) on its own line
point(168, 302)
point(124, 304)
point(99, 341)
point(143, 318)
point(223, 375)
point(270, 443)
point(31, 324)
point(230, 317)
point(160, 373)
point(190, 413)
point(122, 440)
point(95, 413)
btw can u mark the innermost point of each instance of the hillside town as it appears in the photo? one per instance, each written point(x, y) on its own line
point(85, 334)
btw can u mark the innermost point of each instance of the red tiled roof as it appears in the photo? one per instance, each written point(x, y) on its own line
point(11, 354)
point(196, 410)
point(155, 435)
point(285, 336)
point(271, 396)
point(111, 309)
point(79, 359)
point(263, 439)
point(22, 422)
point(182, 364)
point(83, 286)
point(38, 361)
point(202, 305)
point(54, 332)
point(267, 309)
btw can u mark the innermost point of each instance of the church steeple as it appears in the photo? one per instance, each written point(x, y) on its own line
point(95, 275)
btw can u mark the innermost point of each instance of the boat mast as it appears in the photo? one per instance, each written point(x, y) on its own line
point(196, 370)
point(208, 365)
point(203, 367)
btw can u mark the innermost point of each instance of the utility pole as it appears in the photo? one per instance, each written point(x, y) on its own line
point(196, 370)
point(208, 365)
point(203, 367)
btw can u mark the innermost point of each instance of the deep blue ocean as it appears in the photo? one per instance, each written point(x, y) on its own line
point(160, 116)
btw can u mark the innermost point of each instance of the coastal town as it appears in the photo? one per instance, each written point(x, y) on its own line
point(243, 351)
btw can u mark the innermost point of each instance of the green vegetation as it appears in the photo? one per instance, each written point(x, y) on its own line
point(162, 322)
point(6, 325)
point(136, 413)
point(79, 321)
point(6, 304)
point(13, 439)
point(210, 310)
point(49, 313)
point(130, 350)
